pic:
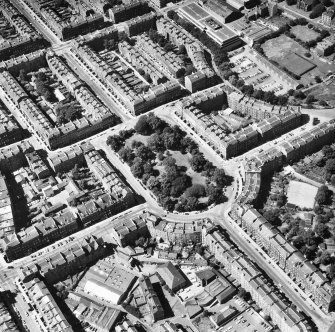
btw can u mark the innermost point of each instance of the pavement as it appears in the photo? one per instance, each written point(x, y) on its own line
point(219, 214)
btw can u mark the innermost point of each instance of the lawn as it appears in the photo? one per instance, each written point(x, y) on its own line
point(288, 53)
point(279, 48)
point(303, 33)
point(301, 194)
point(325, 92)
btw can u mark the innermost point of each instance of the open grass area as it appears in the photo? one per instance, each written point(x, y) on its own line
point(325, 92)
point(290, 54)
point(279, 48)
point(303, 33)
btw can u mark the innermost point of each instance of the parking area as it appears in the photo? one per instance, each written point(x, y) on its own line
point(247, 321)
point(255, 73)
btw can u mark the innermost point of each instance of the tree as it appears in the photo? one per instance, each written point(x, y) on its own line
point(242, 293)
point(299, 94)
point(140, 241)
point(156, 143)
point(188, 144)
point(67, 112)
point(144, 153)
point(126, 154)
point(137, 168)
point(310, 99)
point(168, 47)
point(317, 11)
point(156, 123)
point(197, 162)
point(114, 142)
point(221, 179)
point(214, 194)
point(153, 183)
point(142, 127)
point(325, 258)
point(170, 14)
point(182, 49)
point(41, 76)
point(169, 161)
point(179, 185)
point(299, 242)
point(141, 71)
point(330, 164)
point(197, 190)
point(23, 75)
point(272, 216)
point(322, 230)
point(180, 72)
point(172, 137)
point(322, 195)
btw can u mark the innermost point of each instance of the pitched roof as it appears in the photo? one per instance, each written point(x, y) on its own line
point(171, 275)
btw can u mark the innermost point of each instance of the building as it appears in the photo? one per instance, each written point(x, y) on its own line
point(108, 282)
point(92, 121)
point(126, 326)
point(159, 3)
point(199, 81)
point(65, 161)
point(39, 235)
point(156, 310)
point(205, 277)
point(126, 231)
point(7, 227)
point(328, 17)
point(65, 261)
point(66, 29)
point(98, 316)
point(128, 11)
point(140, 24)
point(251, 279)
point(38, 167)
point(136, 103)
point(44, 309)
point(10, 131)
point(27, 39)
point(174, 232)
point(225, 10)
point(305, 5)
point(326, 46)
point(222, 35)
point(7, 322)
point(172, 277)
point(234, 144)
point(222, 317)
point(258, 110)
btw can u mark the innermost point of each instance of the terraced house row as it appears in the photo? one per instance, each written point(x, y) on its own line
point(28, 40)
point(137, 103)
point(96, 116)
point(254, 281)
point(234, 144)
point(257, 109)
point(204, 76)
point(64, 27)
point(53, 226)
point(291, 147)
